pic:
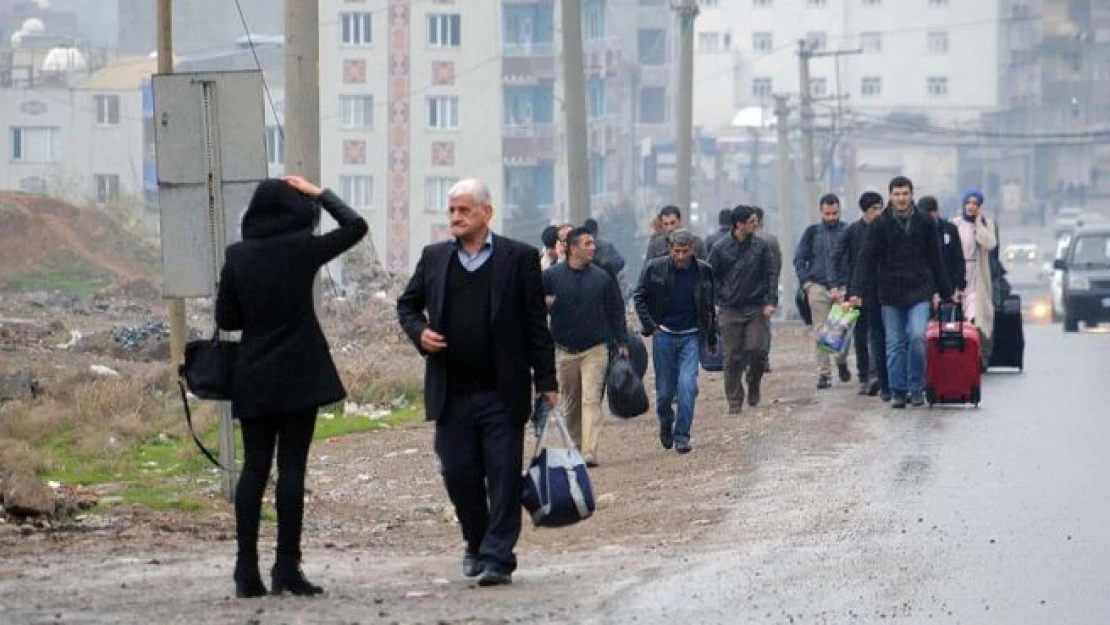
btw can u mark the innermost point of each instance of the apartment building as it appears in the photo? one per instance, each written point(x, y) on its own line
point(409, 105)
point(939, 57)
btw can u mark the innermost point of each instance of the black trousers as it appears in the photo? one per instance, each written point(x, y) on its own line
point(290, 435)
point(865, 365)
point(873, 312)
point(480, 449)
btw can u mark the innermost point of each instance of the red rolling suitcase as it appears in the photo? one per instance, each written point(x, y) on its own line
point(952, 374)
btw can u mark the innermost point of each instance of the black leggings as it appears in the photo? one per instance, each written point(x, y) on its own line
point(291, 434)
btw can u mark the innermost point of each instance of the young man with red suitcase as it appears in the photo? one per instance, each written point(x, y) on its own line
point(901, 255)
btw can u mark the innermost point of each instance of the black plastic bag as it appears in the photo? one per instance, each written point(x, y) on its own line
point(802, 303)
point(637, 354)
point(627, 396)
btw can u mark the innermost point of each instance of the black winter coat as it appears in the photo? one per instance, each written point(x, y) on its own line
point(656, 287)
point(952, 254)
point(902, 262)
point(265, 290)
point(847, 253)
point(523, 349)
point(744, 273)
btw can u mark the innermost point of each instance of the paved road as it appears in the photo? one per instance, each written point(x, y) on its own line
point(996, 515)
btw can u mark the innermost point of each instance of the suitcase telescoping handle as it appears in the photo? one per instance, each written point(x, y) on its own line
point(950, 339)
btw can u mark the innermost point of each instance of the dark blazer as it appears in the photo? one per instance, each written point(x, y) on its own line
point(952, 254)
point(265, 290)
point(901, 264)
point(523, 350)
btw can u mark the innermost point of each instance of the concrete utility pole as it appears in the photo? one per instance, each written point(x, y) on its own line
point(808, 163)
point(686, 11)
point(302, 89)
point(574, 110)
point(786, 208)
point(179, 324)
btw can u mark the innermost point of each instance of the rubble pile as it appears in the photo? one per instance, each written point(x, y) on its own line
point(145, 342)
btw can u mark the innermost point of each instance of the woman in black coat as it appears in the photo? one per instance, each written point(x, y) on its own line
point(284, 372)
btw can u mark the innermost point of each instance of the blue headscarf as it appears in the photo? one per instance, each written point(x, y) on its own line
point(978, 195)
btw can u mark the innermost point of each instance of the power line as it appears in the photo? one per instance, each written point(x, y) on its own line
point(258, 63)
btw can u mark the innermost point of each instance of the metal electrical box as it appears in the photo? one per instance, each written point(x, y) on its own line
point(209, 134)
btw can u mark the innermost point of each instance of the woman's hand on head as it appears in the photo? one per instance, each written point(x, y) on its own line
point(304, 186)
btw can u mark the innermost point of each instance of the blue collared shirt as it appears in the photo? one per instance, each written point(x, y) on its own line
point(474, 262)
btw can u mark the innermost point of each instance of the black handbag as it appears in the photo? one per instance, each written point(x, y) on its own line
point(208, 373)
point(802, 303)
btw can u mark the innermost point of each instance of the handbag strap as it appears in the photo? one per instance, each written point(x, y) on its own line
point(192, 432)
point(554, 417)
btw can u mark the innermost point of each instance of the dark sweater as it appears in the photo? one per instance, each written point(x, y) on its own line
point(901, 257)
point(470, 362)
point(682, 311)
point(588, 309)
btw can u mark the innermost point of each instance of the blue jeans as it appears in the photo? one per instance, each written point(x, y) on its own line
point(676, 372)
point(905, 346)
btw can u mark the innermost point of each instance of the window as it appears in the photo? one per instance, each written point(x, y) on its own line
point(818, 87)
point(762, 88)
point(357, 111)
point(593, 21)
point(355, 29)
point(435, 193)
point(651, 3)
point(275, 146)
point(357, 191)
point(35, 144)
point(443, 30)
point(871, 43)
point(762, 3)
point(937, 3)
point(708, 3)
point(652, 46)
point(871, 87)
point(443, 113)
point(107, 110)
point(937, 86)
point(598, 174)
point(873, 3)
point(653, 105)
point(816, 41)
point(938, 41)
point(763, 42)
point(709, 43)
point(595, 99)
point(107, 188)
point(817, 3)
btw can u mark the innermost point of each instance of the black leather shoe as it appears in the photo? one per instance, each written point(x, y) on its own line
point(472, 567)
point(844, 372)
point(683, 448)
point(874, 388)
point(917, 399)
point(292, 580)
point(494, 577)
point(666, 435)
point(823, 382)
point(885, 396)
point(899, 401)
point(753, 394)
point(248, 581)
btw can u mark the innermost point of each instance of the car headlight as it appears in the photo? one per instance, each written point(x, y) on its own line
point(1042, 311)
point(1077, 282)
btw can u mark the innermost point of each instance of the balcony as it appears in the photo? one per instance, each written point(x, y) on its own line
point(605, 134)
point(603, 63)
point(527, 70)
point(527, 144)
point(527, 48)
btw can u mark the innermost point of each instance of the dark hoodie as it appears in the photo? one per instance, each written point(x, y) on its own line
point(265, 290)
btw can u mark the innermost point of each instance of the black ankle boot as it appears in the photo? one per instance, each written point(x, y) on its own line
point(248, 581)
point(287, 576)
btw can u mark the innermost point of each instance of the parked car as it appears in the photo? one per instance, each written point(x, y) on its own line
point(1085, 266)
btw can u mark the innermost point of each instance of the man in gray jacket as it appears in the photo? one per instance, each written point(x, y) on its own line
point(813, 262)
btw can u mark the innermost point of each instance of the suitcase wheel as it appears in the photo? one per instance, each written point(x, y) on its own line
point(930, 396)
point(975, 397)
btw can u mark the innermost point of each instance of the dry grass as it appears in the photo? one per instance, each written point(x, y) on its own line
point(381, 382)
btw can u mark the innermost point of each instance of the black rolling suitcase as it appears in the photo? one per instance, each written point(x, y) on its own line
point(1008, 346)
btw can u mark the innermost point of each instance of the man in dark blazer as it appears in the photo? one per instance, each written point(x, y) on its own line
point(475, 309)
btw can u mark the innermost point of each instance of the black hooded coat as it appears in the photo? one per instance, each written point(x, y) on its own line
point(265, 290)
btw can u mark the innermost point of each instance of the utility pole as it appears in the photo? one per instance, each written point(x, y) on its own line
point(574, 109)
point(302, 89)
point(808, 163)
point(786, 206)
point(687, 10)
point(179, 324)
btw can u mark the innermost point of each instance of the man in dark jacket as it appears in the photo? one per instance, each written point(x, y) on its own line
point(901, 257)
point(674, 300)
point(951, 251)
point(475, 308)
point(670, 219)
point(283, 372)
point(746, 285)
point(724, 227)
point(813, 263)
point(606, 255)
point(587, 320)
point(848, 249)
point(776, 252)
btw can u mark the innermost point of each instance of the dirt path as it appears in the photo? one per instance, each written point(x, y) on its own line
point(380, 535)
point(76, 244)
